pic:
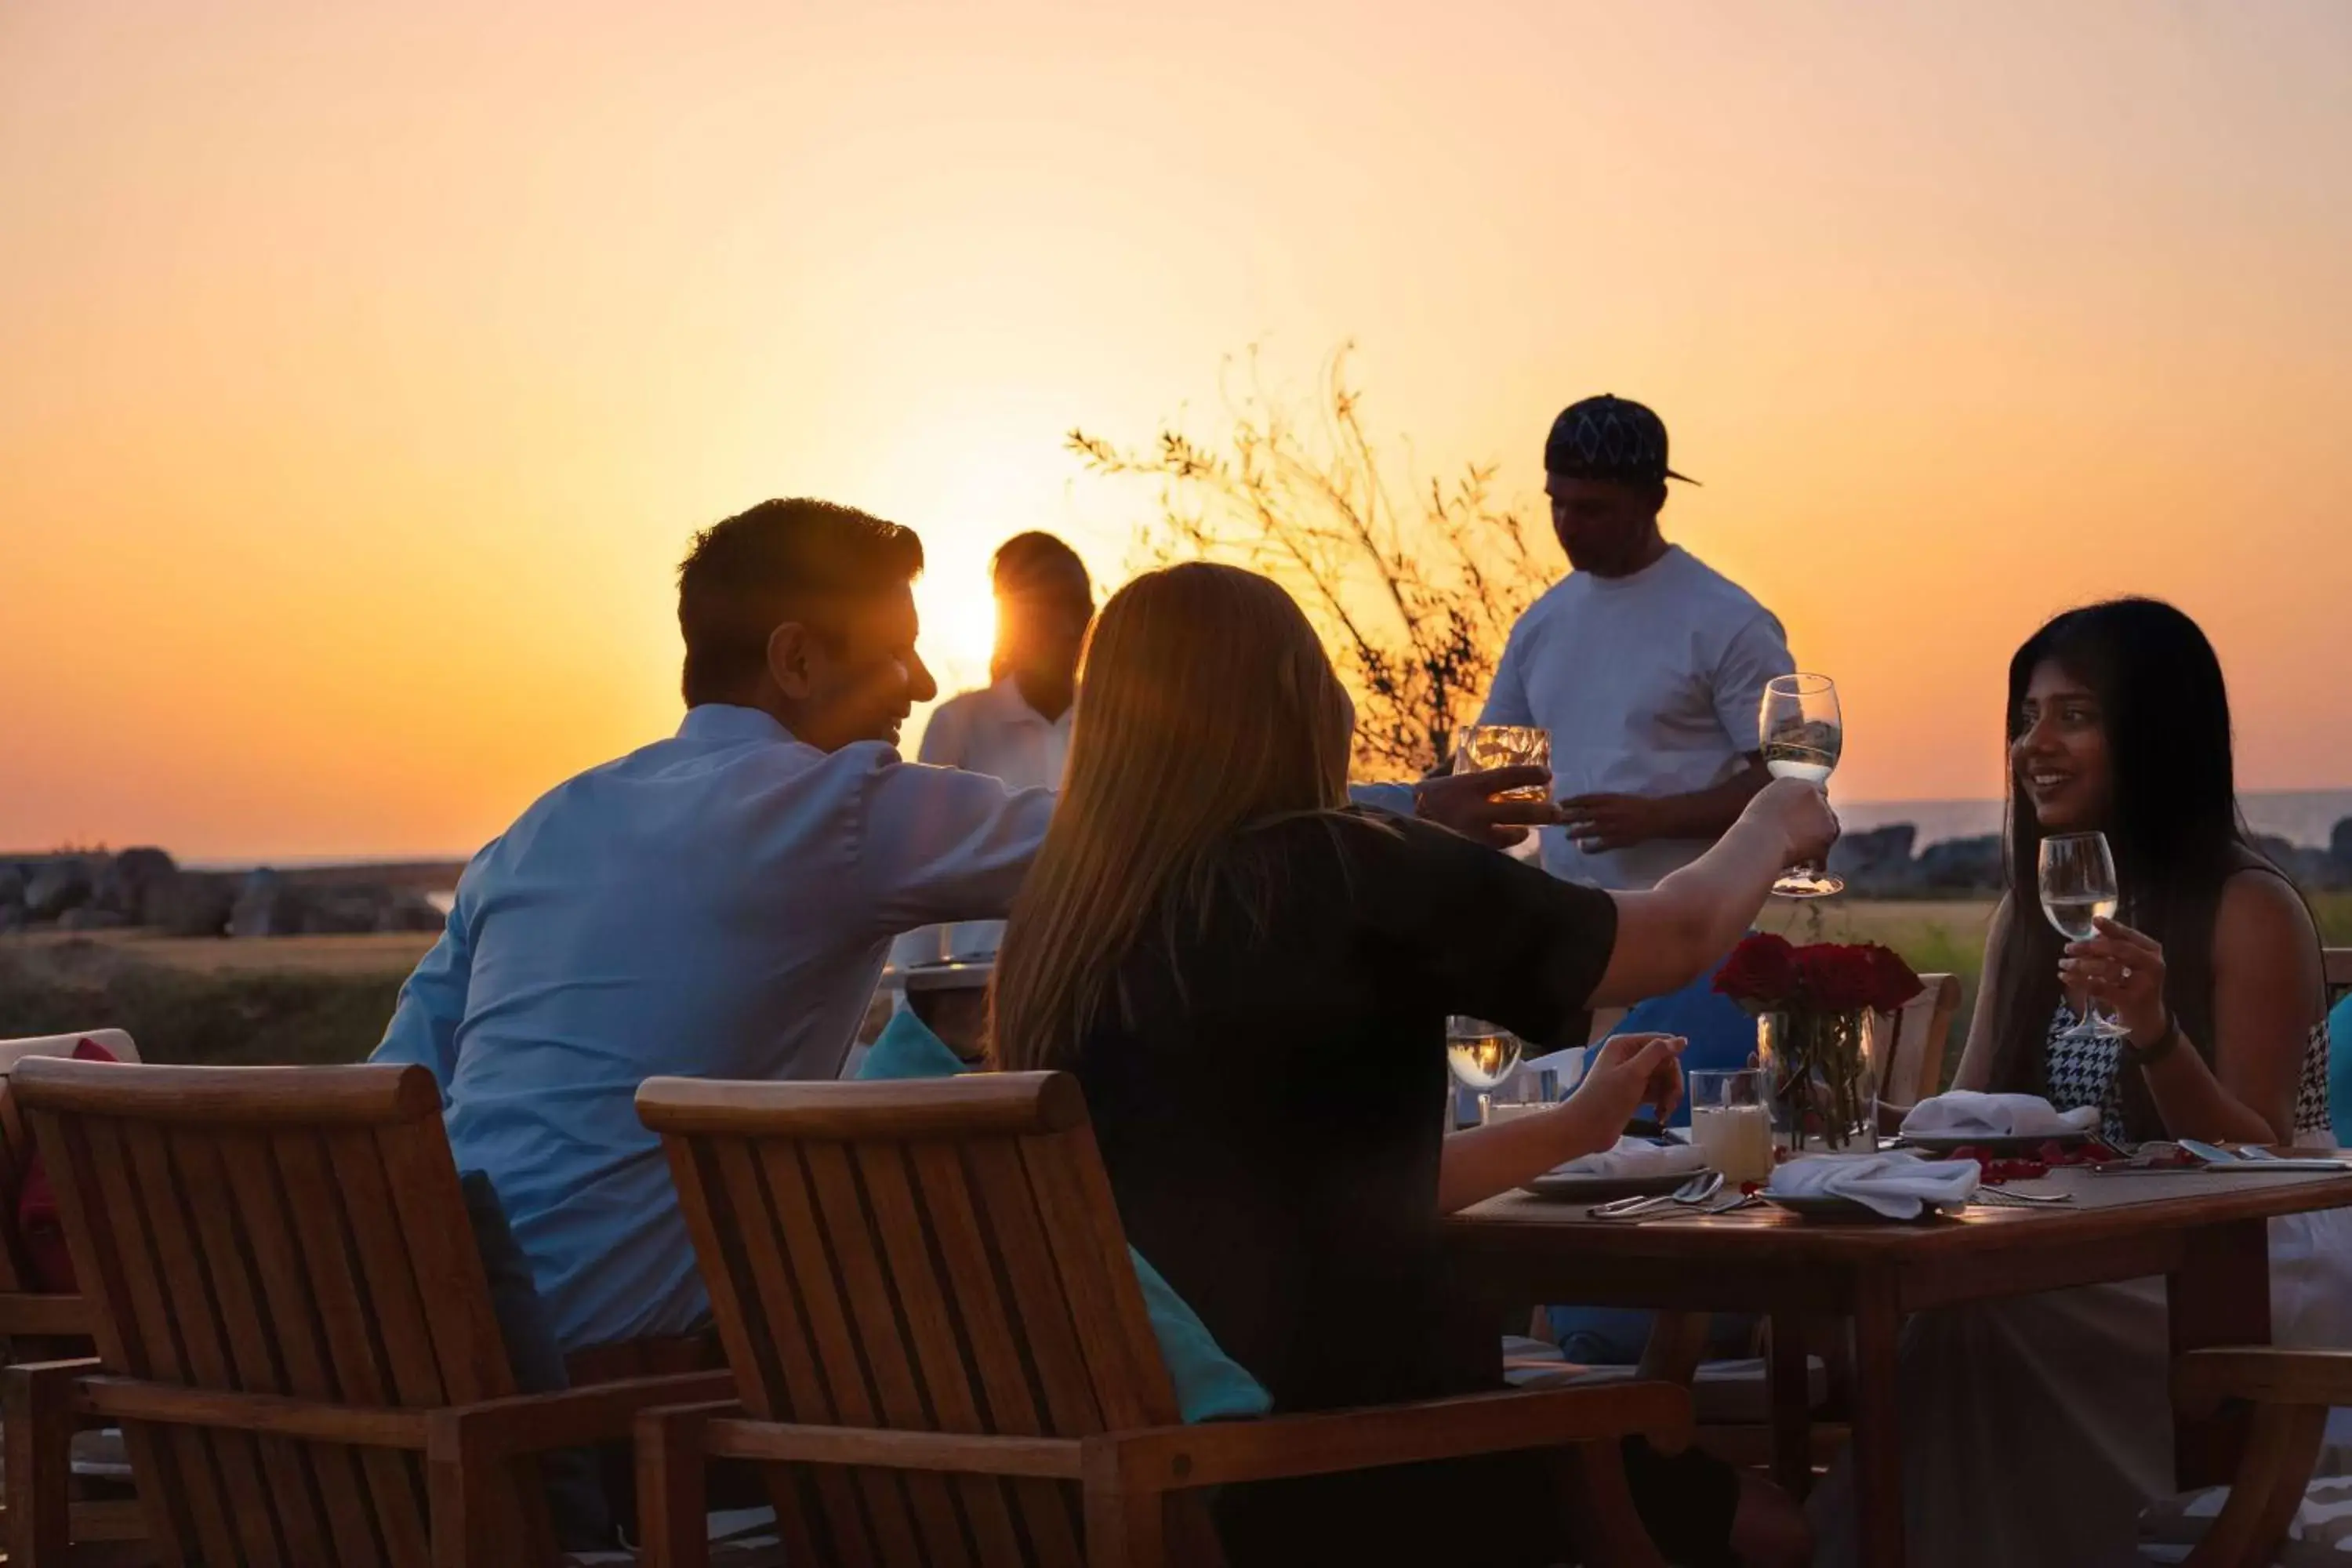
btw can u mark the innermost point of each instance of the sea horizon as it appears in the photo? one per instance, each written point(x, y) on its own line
point(2304, 817)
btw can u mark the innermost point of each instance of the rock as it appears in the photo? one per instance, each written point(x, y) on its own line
point(2308, 869)
point(193, 903)
point(1961, 865)
point(262, 907)
point(334, 911)
point(1878, 861)
point(126, 883)
point(405, 908)
point(268, 905)
point(89, 917)
point(55, 887)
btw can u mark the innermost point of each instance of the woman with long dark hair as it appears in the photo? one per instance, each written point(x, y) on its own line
point(1252, 982)
point(2119, 723)
point(2045, 1424)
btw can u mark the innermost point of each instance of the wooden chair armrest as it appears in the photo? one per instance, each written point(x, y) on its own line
point(1217, 1453)
point(37, 1406)
point(2202, 1381)
point(30, 1314)
point(673, 1482)
point(52, 1376)
point(500, 1429)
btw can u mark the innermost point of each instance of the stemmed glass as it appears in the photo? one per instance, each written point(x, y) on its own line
point(1801, 736)
point(2078, 887)
point(1483, 1056)
point(1486, 746)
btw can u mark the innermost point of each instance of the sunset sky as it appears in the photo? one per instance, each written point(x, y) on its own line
point(365, 368)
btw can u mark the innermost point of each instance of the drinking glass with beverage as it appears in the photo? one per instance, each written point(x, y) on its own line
point(2077, 874)
point(1731, 1123)
point(1482, 1056)
point(1801, 735)
point(1482, 747)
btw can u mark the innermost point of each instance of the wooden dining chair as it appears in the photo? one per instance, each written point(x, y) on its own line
point(1919, 1034)
point(2337, 969)
point(38, 1325)
point(2287, 1395)
point(294, 1328)
point(941, 1356)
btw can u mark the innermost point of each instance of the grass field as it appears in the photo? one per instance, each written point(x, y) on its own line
point(327, 998)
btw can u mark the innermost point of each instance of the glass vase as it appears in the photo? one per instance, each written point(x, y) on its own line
point(1821, 1071)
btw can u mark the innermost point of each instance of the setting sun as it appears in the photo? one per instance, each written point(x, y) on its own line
point(958, 622)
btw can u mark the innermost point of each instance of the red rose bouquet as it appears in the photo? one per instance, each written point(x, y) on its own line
point(1765, 973)
point(1814, 1005)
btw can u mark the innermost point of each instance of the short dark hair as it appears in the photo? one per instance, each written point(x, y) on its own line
point(746, 576)
point(1026, 559)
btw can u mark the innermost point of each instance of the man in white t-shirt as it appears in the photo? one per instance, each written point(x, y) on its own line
point(1645, 664)
point(1648, 668)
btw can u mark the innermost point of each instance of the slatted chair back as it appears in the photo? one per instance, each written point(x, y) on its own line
point(940, 1256)
point(2337, 964)
point(15, 1147)
point(278, 1231)
point(34, 1320)
point(1922, 1028)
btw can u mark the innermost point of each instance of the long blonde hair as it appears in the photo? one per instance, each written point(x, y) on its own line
point(1208, 705)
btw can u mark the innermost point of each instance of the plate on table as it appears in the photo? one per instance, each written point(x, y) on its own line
point(1572, 1188)
point(1998, 1148)
point(1845, 1211)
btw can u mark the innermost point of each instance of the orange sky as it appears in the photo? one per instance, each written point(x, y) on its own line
point(366, 367)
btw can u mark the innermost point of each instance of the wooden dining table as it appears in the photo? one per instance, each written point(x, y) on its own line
point(2206, 1233)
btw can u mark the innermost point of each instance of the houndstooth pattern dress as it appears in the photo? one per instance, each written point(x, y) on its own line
point(2089, 1072)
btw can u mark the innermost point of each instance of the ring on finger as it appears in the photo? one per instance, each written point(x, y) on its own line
point(2128, 971)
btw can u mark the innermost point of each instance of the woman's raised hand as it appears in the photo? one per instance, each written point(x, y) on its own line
point(1630, 1071)
point(1802, 813)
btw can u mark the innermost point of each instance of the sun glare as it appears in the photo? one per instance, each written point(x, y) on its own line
point(958, 629)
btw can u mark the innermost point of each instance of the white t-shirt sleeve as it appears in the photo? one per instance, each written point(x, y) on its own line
point(1507, 703)
point(1757, 652)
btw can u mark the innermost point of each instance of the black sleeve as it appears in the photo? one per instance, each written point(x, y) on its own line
point(1483, 933)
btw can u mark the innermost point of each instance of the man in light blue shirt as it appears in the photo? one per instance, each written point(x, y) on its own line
point(716, 905)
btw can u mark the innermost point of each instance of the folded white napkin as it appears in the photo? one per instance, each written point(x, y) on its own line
point(1965, 1113)
point(1896, 1186)
point(1635, 1157)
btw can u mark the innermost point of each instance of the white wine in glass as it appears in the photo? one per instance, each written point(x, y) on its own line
point(1483, 1057)
point(1485, 746)
point(1801, 735)
point(2077, 876)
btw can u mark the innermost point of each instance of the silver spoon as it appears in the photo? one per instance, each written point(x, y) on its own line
point(1698, 1190)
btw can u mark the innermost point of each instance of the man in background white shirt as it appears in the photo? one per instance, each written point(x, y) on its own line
point(1018, 728)
point(1647, 665)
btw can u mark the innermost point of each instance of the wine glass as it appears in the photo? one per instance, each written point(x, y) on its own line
point(1486, 746)
point(1482, 1056)
point(2078, 887)
point(1801, 735)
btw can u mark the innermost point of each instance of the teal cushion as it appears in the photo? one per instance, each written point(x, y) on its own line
point(1210, 1384)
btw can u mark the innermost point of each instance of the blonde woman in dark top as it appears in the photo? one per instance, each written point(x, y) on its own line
point(1251, 981)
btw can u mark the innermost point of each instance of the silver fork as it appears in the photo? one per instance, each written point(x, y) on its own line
point(2002, 1197)
point(1698, 1190)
